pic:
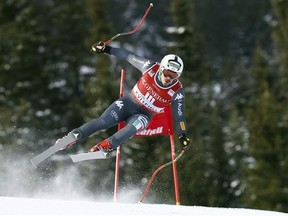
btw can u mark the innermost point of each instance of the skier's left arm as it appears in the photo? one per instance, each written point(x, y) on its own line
point(178, 110)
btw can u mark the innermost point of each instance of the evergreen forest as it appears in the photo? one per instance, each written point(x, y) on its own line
point(236, 85)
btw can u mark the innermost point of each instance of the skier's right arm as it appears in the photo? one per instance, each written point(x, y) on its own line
point(142, 64)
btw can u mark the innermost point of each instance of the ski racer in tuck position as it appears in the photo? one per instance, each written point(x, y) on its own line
point(157, 87)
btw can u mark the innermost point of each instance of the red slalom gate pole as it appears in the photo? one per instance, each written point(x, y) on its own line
point(120, 125)
point(175, 173)
point(173, 156)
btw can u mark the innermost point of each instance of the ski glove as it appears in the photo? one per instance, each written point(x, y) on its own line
point(99, 47)
point(185, 141)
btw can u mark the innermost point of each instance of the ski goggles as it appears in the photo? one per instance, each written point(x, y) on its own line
point(170, 74)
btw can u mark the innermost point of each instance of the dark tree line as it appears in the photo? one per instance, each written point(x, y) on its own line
point(235, 78)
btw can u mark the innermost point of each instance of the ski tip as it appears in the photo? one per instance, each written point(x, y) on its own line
point(33, 164)
point(73, 158)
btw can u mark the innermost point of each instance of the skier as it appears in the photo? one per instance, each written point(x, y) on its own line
point(157, 87)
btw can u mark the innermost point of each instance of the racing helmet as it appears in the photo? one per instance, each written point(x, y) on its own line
point(173, 63)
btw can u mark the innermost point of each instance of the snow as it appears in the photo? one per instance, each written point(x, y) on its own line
point(32, 206)
point(24, 190)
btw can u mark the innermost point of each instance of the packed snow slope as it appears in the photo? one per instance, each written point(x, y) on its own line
point(28, 206)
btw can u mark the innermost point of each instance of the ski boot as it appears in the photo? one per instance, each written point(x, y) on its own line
point(102, 146)
point(70, 139)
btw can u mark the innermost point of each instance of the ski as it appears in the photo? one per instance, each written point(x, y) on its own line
point(61, 144)
point(44, 155)
point(90, 156)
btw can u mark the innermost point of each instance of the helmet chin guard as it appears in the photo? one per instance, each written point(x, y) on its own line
point(173, 63)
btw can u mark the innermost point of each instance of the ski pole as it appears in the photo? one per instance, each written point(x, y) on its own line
point(155, 173)
point(130, 32)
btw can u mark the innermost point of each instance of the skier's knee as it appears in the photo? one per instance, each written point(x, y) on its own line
point(140, 122)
